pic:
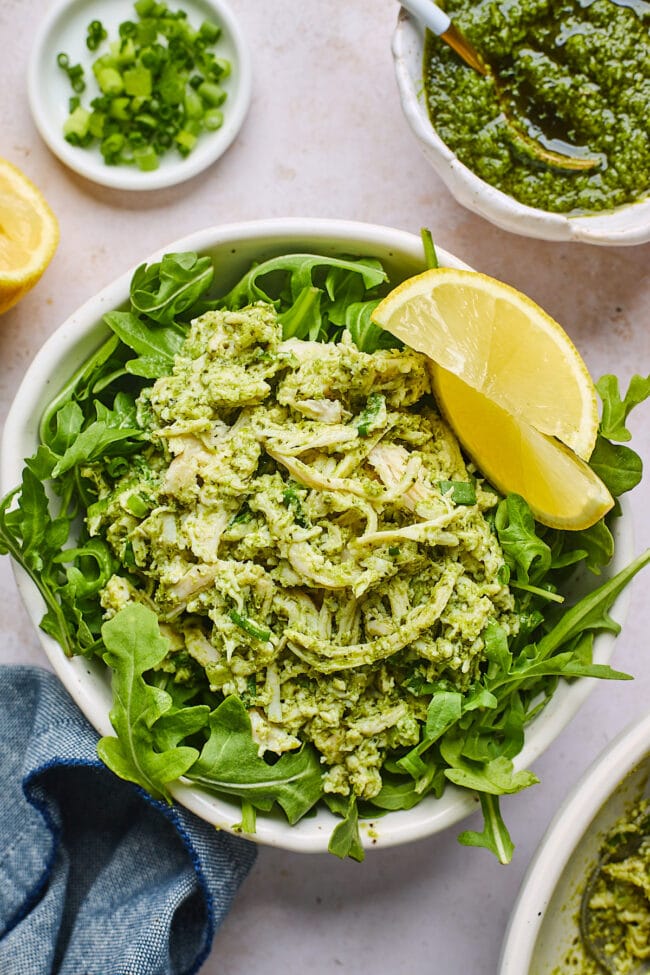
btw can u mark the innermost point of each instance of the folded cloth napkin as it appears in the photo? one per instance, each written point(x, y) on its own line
point(96, 878)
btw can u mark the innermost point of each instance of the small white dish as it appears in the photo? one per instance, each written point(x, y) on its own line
point(543, 926)
point(233, 248)
point(626, 225)
point(64, 30)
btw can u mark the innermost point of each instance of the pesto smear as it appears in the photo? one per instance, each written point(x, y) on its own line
point(576, 75)
point(620, 901)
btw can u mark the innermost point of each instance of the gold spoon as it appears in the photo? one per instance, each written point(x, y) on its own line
point(440, 23)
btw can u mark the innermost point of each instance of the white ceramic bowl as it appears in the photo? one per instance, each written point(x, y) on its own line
point(543, 924)
point(626, 225)
point(63, 29)
point(234, 247)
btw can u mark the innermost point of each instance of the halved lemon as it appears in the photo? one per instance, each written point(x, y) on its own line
point(500, 343)
point(29, 234)
point(560, 488)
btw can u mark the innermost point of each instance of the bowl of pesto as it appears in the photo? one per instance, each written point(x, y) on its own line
point(604, 821)
point(272, 546)
point(575, 77)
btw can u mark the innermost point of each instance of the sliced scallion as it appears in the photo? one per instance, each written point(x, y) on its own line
point(159, 83)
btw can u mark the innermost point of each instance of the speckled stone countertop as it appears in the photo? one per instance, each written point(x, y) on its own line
point(325, 137)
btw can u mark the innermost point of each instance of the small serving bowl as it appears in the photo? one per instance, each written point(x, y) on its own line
point(63, 30)
point(233, 248)
point(626, 225)
point(543, 926)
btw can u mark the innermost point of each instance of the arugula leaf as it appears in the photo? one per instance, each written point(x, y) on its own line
point(619, 468)
point(591, 612)
point(524, 550)
point(615, 409)
point(345, 840)
point(166, 290)
point(314, 296)
point(149, 341)
point(495, 777)
point(303, 318)
point(111, 427)
point(30, 535)
point(134, 645)
point(229, 763)
point(495, 836)
point(365, 334)
point(398, 792)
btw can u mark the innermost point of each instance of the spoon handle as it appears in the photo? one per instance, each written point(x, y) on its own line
point(440, 23)
point(429, 14)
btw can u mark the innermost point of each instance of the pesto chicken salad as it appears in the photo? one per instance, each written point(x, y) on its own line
point(250, 507)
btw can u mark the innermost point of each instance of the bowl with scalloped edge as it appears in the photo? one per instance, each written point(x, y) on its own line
point(234, 247)
point(543, 929)
point(628, 224)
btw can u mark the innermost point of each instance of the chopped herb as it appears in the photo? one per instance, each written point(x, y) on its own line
point(461, 492)
point(250, 626)
point(159, 87)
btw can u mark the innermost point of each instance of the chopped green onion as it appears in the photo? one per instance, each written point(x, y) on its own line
point(110, 81)
point(212, 94)
point(158, 82)
point(213, 119)
point(461, 492)
point(74, 72)
point(146, 158)
point(249, 626)
point(209, 32)
point(96, 34)
point(75, 128)
point(373, 416)
point(137, 82)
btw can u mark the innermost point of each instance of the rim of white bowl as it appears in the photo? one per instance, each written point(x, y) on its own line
point(626, 226)
point(568, 826)
point(87, 685)
point(48, 91)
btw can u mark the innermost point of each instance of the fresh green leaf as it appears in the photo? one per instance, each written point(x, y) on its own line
point(149, 341)
point(521, 545)
point(616, 410)
point(619, 468)
point(497, 777)
point(134, 645)
point(591, 612)
point(365, 334)
point(345, 840)
point(495, 836)
point(229, 763)
point(165, 291)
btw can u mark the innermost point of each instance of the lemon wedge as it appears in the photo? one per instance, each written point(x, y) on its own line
point(501, 344)
point(29, 234)
point(511, 385)
point(561, 489)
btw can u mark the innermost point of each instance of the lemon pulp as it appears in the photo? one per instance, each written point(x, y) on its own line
point(29, 234)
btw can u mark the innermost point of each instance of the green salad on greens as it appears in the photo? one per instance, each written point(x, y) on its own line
point(249, 507)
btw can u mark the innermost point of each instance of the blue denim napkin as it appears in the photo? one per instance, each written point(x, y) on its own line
point(96, 878)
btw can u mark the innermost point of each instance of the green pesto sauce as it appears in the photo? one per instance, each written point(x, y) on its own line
point(576, 73)
point(620, 902)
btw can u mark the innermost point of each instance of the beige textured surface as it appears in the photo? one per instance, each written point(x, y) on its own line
point(325, 137)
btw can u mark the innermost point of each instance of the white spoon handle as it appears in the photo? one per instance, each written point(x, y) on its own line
point(429, 14)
